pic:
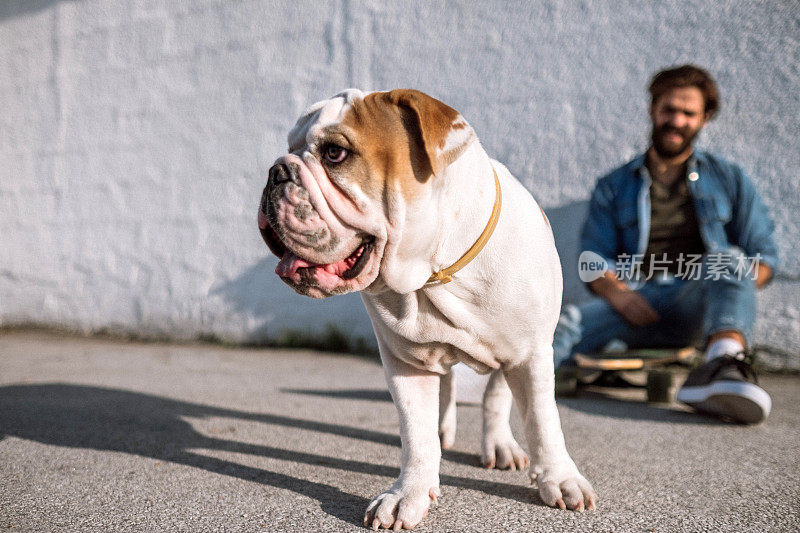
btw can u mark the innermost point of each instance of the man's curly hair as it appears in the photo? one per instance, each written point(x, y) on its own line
point(686, 76)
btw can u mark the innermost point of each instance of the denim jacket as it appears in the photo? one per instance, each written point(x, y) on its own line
point(730, 213)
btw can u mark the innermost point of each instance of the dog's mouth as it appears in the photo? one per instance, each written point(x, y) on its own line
point(268, 234)
point(299, 271)
point(293, 266)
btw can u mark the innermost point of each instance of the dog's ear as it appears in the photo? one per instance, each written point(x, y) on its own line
point(440, 132)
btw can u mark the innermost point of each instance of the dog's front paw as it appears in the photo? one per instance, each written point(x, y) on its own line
point(500, 450)
point(401, 507)
point(564, 488)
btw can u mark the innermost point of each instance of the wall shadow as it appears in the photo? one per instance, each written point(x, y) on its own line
point(260, 293)
point(106, 419)
point(567, 221)
point(18, 8)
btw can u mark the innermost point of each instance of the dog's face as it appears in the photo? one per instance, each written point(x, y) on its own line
point(352, 200)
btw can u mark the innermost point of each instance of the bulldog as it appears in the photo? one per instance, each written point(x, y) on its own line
point(391, 194)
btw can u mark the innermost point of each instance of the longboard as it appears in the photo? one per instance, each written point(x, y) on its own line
point(605, 369)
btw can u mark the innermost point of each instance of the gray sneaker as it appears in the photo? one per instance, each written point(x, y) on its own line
point(727, 387)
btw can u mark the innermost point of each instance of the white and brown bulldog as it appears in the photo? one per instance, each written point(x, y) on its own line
point(391, 194)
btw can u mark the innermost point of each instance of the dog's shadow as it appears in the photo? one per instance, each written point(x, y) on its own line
point(592, 401)
point(151, 426)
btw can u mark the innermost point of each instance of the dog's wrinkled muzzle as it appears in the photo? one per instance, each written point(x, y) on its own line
point(278, 174)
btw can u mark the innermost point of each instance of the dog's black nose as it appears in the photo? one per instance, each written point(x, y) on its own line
point(280, 173)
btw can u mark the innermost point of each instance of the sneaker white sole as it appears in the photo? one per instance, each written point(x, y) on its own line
point(740, 401)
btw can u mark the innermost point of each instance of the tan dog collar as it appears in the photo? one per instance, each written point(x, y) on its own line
point(446, 274)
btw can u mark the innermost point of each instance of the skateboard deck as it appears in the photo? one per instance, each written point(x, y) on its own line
point(607, 369)
point(635, 359)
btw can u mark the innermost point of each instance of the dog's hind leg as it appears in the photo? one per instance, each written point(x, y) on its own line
point(447, 410)
point(499, 449)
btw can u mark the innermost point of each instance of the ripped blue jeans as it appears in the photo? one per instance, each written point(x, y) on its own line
point(689, 309)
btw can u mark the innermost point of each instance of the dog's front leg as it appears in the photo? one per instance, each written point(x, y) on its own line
point(552, 469)
point(416, 396)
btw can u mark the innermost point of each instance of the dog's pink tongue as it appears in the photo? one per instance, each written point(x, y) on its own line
point(289, 264)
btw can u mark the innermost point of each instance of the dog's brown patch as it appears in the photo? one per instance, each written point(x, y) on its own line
point(399, 138)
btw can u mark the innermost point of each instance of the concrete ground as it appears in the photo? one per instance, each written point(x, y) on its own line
point(98, 435)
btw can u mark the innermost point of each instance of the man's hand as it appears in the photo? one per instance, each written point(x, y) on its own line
point(633, 307)
point(630, 304)
point(763, 275)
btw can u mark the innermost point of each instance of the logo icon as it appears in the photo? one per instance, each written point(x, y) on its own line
point(591, 266)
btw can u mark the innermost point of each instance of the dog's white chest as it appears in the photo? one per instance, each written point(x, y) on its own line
point(427, 336)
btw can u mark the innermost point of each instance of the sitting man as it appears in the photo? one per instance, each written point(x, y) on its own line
point(687, 241)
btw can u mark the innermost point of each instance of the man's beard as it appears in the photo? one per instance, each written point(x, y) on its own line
point(666, 150)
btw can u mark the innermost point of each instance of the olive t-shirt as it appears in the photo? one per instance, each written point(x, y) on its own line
point(674, 229)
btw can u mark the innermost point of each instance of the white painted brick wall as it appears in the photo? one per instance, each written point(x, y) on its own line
point(135, 135)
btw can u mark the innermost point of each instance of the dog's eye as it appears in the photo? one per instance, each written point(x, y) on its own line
point(334, 153)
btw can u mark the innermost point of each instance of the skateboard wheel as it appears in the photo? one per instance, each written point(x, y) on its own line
point(566, 381)
point(659, 386)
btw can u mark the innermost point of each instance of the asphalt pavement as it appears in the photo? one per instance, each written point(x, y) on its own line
point(103, 435)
